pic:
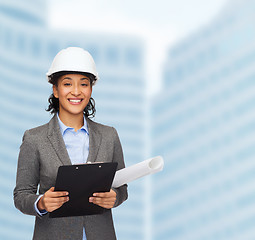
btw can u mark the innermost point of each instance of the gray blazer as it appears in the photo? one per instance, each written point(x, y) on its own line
point(41, 153)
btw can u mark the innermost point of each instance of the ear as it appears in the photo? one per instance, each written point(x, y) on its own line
point(55, 91)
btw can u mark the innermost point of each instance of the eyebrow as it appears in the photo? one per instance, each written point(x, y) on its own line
point(84, 78)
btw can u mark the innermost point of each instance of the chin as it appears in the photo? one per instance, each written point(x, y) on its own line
point(76, 113)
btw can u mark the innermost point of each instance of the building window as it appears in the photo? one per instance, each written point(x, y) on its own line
point(94, 51)
point(35, 47)
point(20, 43)
point(112, 55)
point(8, 38)
point(53, 49)
point(132, 57)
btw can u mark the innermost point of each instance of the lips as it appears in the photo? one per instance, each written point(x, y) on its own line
point(75, 100)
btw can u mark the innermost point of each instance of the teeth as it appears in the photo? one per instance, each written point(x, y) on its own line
point(74, 100)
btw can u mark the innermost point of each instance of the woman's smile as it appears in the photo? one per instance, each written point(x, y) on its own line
point(75, 101)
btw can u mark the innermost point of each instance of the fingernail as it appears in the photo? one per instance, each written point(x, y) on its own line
point(91, 199)
point(94, 194)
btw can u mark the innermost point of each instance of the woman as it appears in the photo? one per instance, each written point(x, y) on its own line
point(69, 138)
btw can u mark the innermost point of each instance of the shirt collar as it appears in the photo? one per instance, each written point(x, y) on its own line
point(63, 127)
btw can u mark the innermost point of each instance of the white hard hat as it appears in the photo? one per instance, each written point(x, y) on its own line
point(73, 59)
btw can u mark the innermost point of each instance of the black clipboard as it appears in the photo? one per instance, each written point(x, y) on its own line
point(81, 181)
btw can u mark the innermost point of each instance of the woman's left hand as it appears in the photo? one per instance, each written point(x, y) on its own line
point(105, 200)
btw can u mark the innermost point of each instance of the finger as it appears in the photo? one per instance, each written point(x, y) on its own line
point(57, 194)
point(102, 203)
point(52, 192)
point(56, 200)
point(99, 195)
point(98, 199)
point(111, 193)
point(103, 195)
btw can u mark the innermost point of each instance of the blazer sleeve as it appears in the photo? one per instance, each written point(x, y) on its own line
point(121, 191)
point(27, 178)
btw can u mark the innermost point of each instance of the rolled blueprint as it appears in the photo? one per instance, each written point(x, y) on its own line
point(138, 170)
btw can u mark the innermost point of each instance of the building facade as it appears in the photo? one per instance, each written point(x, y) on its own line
point(203, 123)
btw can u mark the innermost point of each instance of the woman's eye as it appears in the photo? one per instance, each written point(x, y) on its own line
point(67, 84)
point(84, 84)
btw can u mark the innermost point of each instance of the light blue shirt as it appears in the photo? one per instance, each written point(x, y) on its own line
point(77, 145)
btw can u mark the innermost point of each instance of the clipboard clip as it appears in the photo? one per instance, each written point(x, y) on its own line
point(95, 163)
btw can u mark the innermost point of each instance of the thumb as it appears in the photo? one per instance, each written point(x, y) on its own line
point(52, 189)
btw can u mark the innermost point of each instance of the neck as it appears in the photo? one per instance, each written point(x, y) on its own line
point(73, 121)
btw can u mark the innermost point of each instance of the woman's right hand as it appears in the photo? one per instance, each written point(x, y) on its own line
point(51, 200)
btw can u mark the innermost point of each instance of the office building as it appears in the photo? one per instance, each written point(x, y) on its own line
point(203, 125)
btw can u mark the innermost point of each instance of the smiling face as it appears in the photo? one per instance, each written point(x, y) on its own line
point(73, 92)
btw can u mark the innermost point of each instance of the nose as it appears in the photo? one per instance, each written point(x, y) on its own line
point(76, 90)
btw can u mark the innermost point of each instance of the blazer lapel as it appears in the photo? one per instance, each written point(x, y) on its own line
point(56, 139)
point(94, 141)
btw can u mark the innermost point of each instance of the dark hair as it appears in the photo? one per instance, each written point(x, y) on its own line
point(89, 110)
